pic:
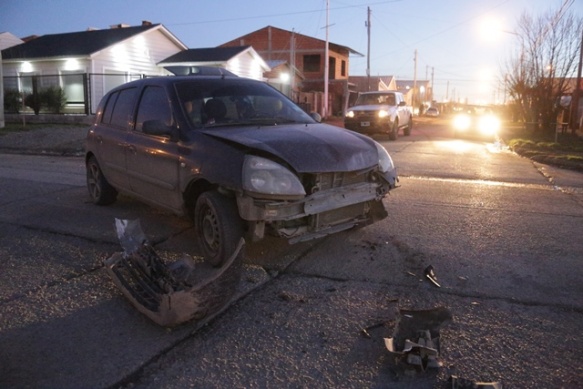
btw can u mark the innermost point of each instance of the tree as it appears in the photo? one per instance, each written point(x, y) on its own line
point(546, 56)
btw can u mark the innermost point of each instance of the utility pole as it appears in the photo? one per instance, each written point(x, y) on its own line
point(367, 24)
point(326, 64)
point(432, 88)
point(415, 81)
point(292, 62)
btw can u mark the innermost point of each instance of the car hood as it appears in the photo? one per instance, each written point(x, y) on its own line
point(372, 107)
point(307, 148)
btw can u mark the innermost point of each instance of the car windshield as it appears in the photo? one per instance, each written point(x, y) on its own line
point(376, 99)
point(231, 102)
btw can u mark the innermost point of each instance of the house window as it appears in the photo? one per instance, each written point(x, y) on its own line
point(73, 87)
point(312, 63)
point(332, 69)
point(26, 83)
point(343, 68)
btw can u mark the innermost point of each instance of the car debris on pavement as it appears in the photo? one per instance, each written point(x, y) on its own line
point(416, 337)
point(170, 294)
point(430, 275)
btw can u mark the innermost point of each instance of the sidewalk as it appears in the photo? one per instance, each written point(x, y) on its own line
point(66, 140)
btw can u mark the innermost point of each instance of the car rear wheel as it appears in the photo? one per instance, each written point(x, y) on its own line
point(218, 227)
point(394, 132)
point(101, 191)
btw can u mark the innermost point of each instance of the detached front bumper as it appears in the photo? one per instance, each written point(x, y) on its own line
point(319, 214)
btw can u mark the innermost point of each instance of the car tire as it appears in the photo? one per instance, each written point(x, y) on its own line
point(218, 227)
point(101, 191)
point(394, 131)
point(407, 130)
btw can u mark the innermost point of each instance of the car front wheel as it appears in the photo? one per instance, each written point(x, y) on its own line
point(101, 191)
point(218, 227)
point(394, 132)
point(409, 127)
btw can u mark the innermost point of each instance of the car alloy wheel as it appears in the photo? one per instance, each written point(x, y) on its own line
point(218, 227)
point(101, 191)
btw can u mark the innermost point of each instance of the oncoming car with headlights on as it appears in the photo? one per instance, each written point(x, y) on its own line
point(237, 156)
point(476, 122)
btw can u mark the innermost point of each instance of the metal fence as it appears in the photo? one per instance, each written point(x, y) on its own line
point(60, 94)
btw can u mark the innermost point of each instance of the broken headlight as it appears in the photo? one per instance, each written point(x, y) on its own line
point(261, 175)
point(385, 160)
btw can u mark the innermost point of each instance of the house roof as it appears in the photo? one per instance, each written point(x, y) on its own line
point(74, 44)
point(207, 54)
point(333, 46)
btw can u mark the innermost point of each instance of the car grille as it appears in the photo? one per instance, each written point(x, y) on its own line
point(325, 181)
point(365, 115)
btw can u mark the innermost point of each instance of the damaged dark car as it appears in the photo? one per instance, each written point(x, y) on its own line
point(237, 156)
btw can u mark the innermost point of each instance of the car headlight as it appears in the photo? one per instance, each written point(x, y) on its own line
point(489, 125)
point(262, 175)
point(385, 160)
point(383, 113)
point(350, 114)
point(462, 122)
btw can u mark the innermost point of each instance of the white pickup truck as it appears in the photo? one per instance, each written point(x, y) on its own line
point(380, 112)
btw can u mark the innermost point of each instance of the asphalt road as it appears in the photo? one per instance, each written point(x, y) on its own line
point(503, 235)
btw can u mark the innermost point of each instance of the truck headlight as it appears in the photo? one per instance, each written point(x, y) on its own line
point(383, 113)
point(489, 125)
point(350, 114)
point(462, 122)
point(261, 175)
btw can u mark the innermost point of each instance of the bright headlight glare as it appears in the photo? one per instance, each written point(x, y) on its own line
point(489, 125)
point(262, 175)
point(383, 114)
point(350, 114)
point(385, 160)
point(462, 122)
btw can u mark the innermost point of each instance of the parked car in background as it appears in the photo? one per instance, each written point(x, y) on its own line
point(383, 112)
point(238, 156)
point(477, 122)
point(432, 112)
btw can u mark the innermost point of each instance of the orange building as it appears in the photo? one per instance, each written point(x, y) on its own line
point(305, 56)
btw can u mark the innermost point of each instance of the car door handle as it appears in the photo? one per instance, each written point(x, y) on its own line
point(131, 148)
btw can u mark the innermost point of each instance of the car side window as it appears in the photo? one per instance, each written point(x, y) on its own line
point(119, 107)
point(154, 105)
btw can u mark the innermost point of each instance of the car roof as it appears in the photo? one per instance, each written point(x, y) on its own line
point(167, 80)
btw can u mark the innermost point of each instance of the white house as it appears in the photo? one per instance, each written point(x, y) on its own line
point(87, 64)
point(240, 60)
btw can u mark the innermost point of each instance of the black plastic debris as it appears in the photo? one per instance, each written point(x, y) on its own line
point(170, 294)
point(416, 338)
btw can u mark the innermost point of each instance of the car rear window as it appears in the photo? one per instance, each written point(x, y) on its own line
point(118, 110)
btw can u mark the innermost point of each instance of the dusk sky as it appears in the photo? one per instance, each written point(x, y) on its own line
point(461, 41)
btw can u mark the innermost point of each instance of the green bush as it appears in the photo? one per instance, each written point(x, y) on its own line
point(12, 101)
point(53, 98)
point(33, 101)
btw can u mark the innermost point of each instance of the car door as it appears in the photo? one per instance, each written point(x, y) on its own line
point(112, 134)
point(152, 160)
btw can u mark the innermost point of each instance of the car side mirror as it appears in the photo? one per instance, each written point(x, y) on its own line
point(157, 128)
point(402, 103)
point(316, 116)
